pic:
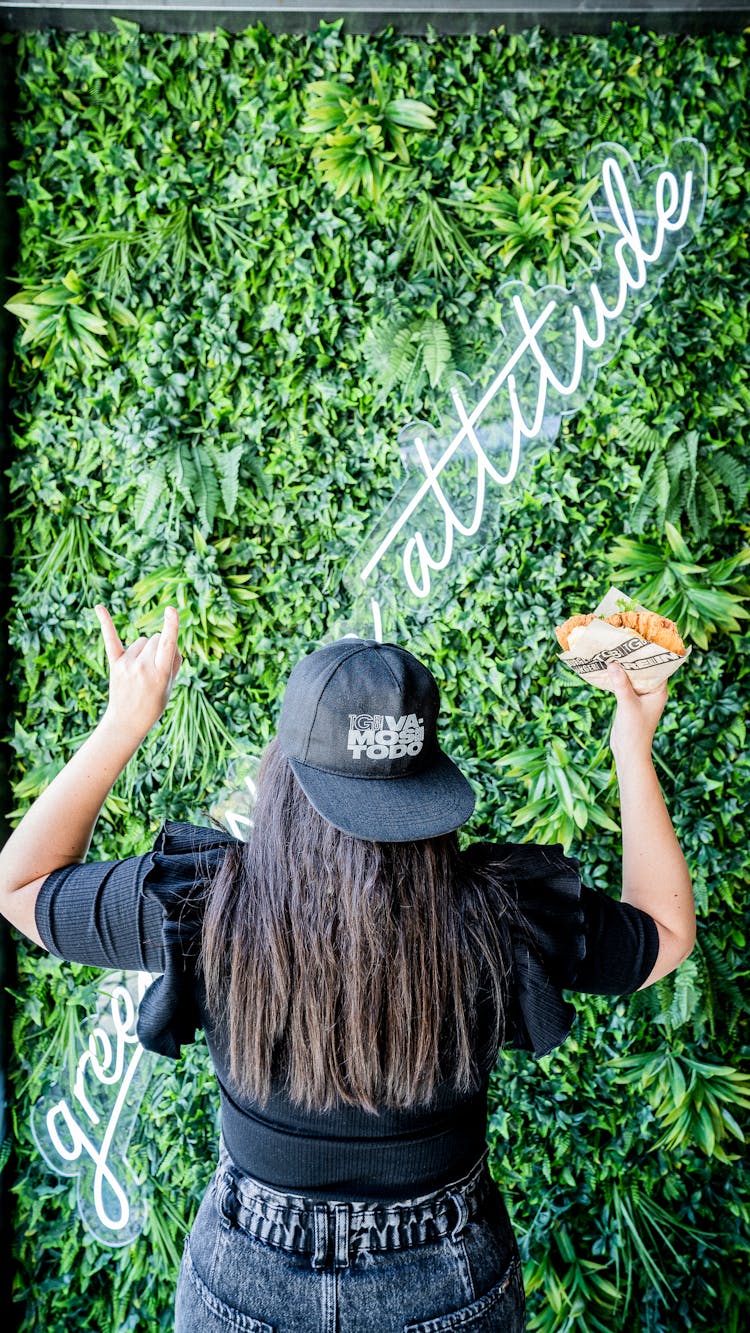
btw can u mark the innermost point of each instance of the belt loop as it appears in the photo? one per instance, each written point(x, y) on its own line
point(341, 1253)
point(320, 1226)
point(227, 1216)
point(463, 1213)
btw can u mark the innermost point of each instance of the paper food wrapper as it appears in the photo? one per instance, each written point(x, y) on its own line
point(594, 646)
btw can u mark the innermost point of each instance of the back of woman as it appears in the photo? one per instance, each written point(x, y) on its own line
point(356, 973)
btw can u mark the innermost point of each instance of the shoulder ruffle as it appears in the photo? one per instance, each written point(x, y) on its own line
point(548, 938)
point(183, 858)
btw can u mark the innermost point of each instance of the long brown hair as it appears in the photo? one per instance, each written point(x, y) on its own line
point(345, 960)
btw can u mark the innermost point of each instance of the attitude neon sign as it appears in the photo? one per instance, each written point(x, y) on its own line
point(555, 343)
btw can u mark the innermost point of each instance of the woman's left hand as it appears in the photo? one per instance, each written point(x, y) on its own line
point(140, 676)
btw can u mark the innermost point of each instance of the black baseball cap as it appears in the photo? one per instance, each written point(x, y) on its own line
point(359, 727)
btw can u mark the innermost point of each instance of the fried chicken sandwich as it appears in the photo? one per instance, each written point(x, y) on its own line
point(646, 624)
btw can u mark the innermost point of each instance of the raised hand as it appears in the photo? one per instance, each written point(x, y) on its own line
point(140, 676)
point(637, 715)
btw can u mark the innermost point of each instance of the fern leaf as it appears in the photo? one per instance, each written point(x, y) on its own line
point(403, 355)
point(640, 435)
point(720, 979)
point(688, 506)
point(149, 496)
point(691, 447)
point(681, 460)
point(686, 993)
point(678, 461)
point(228, 468)
point(184, 475)
point(389, 354)
point(662, 486)
point(646, 1004)
point(734, 474)
point(436, 350)
point(206, 490)
point(709, 498)
point(690, 478)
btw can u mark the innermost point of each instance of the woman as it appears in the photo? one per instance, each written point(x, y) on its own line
point(355, 975)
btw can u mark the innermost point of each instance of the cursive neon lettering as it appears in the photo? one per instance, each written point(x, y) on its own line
point(112, 1061)
point(528, 378)
point(447, 455)
point(80, 1143)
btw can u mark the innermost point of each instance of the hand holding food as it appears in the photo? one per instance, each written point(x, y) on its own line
point(637, 716)
point(648, 646)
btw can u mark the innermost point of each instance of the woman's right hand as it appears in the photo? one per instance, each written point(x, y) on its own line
point(637, 715)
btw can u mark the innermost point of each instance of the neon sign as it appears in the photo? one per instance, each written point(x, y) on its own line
point(556, 340)
point(84, 1129)
point(234, 804)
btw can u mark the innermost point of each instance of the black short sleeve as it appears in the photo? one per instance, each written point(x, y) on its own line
point(565, 936)
point(141, 914)
point(95, 912)
point(622, 945)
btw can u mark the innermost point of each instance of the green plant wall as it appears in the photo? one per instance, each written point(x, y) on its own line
point(223, 322)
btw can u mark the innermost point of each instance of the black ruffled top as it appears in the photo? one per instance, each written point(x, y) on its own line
point(560, 923)
point(143, 913)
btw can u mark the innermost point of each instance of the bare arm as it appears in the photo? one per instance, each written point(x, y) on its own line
point(56, 831)
point(655, 875)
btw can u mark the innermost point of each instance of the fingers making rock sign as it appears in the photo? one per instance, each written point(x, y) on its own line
point(141, 676)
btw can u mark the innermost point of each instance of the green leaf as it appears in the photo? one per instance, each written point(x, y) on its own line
point(410, 114)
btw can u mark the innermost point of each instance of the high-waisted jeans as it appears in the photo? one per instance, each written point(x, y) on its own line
point(271, 1262)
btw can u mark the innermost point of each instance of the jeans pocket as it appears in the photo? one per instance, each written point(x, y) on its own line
point(200, 1310)
point(502, 1309)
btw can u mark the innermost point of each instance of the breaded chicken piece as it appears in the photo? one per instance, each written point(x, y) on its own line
point(656, 629)
point(652, 628)
point(562, 631)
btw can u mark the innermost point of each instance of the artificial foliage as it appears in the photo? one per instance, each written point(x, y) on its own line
point(219, 339)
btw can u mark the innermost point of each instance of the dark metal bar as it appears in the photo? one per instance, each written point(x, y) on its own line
point(447, 16)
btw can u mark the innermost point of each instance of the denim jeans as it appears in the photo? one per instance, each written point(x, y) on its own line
point(270, 1262)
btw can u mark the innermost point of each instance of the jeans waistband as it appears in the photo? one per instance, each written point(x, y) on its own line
point(340, 1229)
